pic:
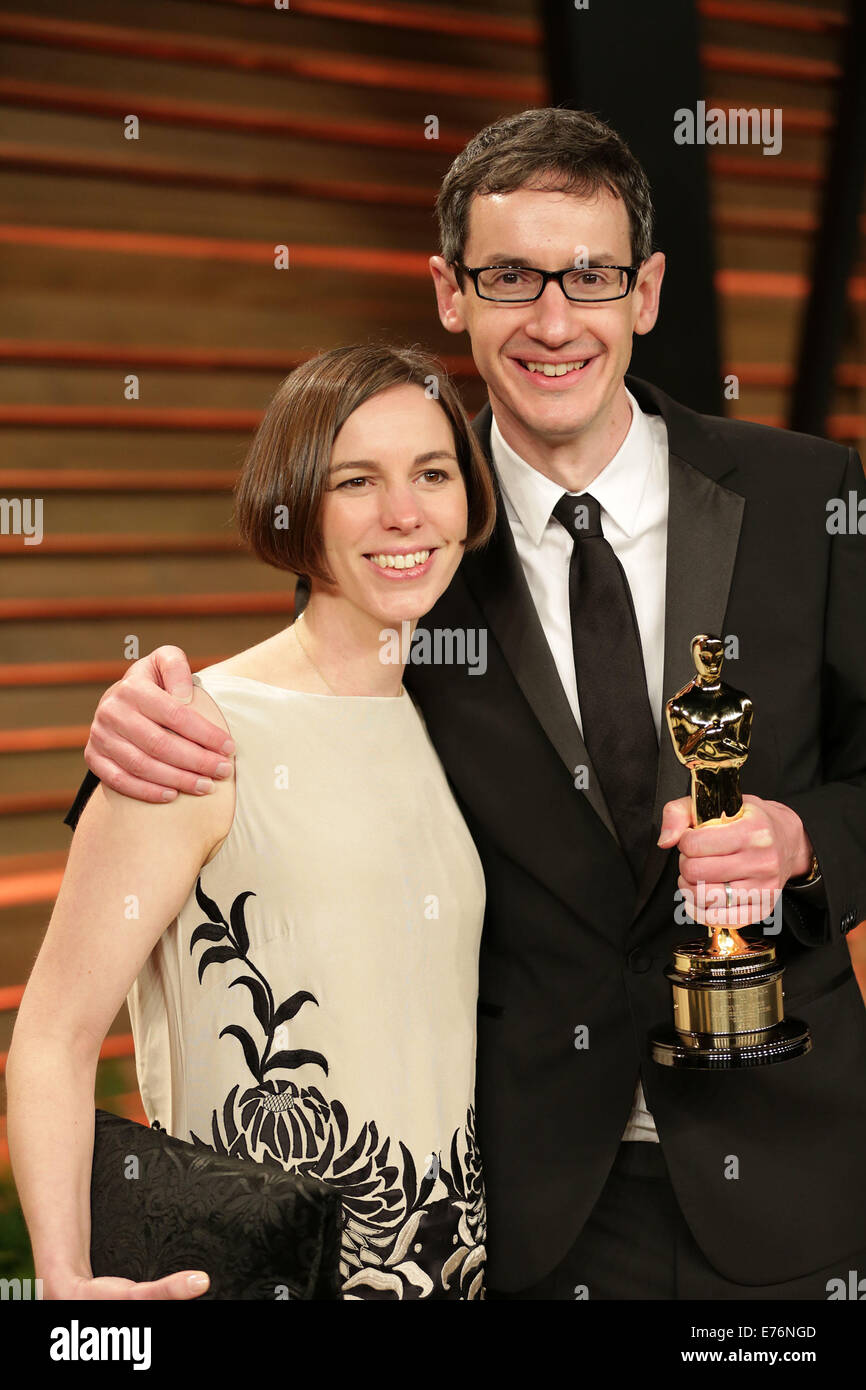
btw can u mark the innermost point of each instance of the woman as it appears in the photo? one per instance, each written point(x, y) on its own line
point(350, 893)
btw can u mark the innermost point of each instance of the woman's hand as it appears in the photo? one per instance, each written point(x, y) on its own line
point(147, 742)
point(187, 1283)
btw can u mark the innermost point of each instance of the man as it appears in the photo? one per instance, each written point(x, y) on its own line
point(627, 524)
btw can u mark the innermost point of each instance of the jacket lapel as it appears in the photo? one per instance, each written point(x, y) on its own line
point(703, 532)
point(704, 521)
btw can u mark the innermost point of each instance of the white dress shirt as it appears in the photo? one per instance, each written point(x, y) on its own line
point(632, 492)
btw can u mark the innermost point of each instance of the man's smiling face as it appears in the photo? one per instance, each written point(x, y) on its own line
point(551, 230)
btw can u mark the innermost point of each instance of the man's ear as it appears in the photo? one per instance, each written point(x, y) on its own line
point(449, 297)
point(647, 292)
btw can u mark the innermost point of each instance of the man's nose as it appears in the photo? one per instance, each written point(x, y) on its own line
point(554, 316)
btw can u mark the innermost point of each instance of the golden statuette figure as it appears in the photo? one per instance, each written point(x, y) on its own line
point(727, 992)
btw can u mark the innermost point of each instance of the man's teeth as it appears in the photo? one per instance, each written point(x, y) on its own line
point(555, 368)
point(400, 562)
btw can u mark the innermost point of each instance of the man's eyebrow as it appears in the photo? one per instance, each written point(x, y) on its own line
point(504, 258)
point(372, 463)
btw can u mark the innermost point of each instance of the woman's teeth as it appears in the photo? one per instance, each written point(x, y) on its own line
point(555, 368)
point(400, 562)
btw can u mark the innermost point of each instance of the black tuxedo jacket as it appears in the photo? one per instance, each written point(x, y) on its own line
point(569, 943)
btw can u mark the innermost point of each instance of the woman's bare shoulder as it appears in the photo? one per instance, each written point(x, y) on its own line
point(277, 661)
point(205, 705)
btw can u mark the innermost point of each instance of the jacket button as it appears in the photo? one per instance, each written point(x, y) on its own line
point(639, 961)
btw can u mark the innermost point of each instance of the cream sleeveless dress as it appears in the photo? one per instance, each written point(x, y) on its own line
point(315, 998)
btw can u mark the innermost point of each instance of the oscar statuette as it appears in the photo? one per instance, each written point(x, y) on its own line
point(727, 992)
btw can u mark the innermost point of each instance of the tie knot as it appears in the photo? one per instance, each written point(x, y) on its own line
point(580, 515)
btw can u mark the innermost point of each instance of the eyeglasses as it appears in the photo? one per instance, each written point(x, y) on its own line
point(517, 284)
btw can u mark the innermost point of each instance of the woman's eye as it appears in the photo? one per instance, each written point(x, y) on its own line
point(350, 483)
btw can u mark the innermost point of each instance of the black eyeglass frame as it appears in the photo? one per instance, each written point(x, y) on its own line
point(631, 272)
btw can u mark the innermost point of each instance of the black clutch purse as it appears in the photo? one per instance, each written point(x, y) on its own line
point(259, 1231)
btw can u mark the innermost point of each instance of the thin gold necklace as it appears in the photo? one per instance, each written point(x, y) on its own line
point(296, 630)
point(295, 627)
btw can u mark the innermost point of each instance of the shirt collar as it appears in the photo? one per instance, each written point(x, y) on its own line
point(618, 488)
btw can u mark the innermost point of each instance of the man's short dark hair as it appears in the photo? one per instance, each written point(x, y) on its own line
point(551, 146)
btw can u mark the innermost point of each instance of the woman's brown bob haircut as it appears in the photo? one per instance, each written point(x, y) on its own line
point(279, 494)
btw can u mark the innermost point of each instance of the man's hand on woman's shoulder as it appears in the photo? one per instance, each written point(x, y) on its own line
point(147, 742)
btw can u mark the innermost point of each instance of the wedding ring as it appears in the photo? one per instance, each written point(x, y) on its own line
point(729, 897)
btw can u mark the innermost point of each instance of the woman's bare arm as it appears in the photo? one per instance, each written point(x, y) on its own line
point(130, 869)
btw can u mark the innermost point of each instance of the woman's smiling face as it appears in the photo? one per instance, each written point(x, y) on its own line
point(395, 514)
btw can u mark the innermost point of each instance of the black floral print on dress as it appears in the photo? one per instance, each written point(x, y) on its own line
point(400, 1238)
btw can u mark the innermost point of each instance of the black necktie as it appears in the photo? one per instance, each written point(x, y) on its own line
point(618, 727)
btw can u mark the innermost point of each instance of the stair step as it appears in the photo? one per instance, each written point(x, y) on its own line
point(126, 577)
point(143, 605)
point(81, 545)
point(76, 480)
